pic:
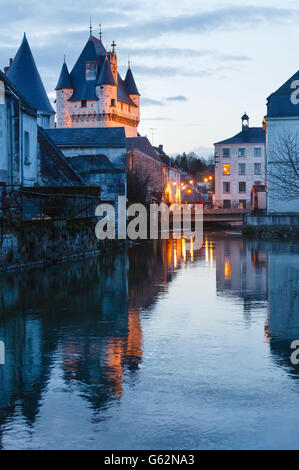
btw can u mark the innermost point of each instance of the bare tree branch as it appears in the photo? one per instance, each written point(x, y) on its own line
point(283, 165)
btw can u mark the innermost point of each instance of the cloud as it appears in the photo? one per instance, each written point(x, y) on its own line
point(151, 102)
point(159, 118)
point(166, 71)
point(177, 98)
point(226, 18)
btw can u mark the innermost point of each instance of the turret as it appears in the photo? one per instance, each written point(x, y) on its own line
point(131, 86)
point(245, 122)
point(64, 91)
point(113, 62)
point(106, 91)
point(24, 75)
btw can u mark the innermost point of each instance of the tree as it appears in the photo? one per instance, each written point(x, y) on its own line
point(283, 165)
point(137, 190)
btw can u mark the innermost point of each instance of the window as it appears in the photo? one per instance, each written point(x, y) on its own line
point(225, 152)
point(242, 187)
point(241, 152)
point(113, 104)
point(257, 169)
point(226, 187)
point(226, 204)
point(121, 106)
point(83, 104)
point(27, 148)
point(257, 152)
point(242, 203)
point(91, 70)
point(242, 168)
point(226, 169)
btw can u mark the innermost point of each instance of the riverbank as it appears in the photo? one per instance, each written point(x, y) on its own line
point(288, 232)
point(46, 243)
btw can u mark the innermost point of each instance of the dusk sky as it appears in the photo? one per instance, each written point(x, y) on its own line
point(198, 65)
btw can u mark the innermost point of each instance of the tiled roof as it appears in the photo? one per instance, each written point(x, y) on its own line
point(250, 135)
point(279, 103)
point(64, 79)
point(25, 77)
point(54, 166)
point(88, 137)
point(130, 83)
point(143, 145)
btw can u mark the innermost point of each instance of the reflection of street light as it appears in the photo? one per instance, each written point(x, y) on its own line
point(191, 181)
point(174, 183)
point(189, 191)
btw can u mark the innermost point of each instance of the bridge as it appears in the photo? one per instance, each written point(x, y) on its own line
point(224, 216)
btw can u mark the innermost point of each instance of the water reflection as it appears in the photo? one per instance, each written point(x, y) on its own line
point(86, 319)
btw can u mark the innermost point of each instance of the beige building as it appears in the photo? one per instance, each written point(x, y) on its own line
point(240, 162)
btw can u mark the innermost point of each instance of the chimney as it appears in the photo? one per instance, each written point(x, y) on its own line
point(7, 68)
point(161, 148)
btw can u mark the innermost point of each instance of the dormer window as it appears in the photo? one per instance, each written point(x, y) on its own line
point(83, 104)
point(91, 70)
point(113, 103)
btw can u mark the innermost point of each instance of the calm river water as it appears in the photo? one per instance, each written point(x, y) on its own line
point(155, 347)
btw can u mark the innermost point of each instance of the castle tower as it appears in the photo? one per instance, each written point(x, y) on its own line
point(97, 95)
point(64, 91)
point(106, 91)
point(24, 75)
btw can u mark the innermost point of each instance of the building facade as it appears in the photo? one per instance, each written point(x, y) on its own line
point(240, 162)
point(18, 137)
point(97, 155)
point(93, 94)
point(282, 123)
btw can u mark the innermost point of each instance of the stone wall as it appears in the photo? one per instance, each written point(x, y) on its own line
point(48, 242)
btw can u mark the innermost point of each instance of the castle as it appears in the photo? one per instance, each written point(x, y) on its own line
point(93, 94)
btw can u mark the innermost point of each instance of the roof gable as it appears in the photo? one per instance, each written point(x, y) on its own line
point(143, 145)
point(25, 77)
point(279, 103)
point(250, 135)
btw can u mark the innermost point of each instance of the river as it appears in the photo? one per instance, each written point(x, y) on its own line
point(154, 347)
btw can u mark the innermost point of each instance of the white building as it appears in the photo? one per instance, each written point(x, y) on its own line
point(282, 122)
point(240, 163)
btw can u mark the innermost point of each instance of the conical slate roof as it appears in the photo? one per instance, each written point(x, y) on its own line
point(130, 83)
point(106, 75)
point(64, 79)
point(280, 103)
point(93, 51)
point(25, 77)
